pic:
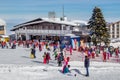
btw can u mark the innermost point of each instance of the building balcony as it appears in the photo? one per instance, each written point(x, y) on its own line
point(45, 32)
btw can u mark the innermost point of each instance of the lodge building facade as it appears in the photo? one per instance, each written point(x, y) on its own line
point(45, 28)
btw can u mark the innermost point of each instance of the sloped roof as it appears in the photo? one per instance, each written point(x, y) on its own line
point(40, 20)
point(35, 20)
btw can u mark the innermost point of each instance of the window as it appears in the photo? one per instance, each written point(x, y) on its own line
point(43, 27)
point(71, 28)
point(48, 27)
point(55, 28)
point(1, 27)
point(113, 25)
point(64, 28)
point(117, 36)
point(58, 28)
point(36, 27)
point(113, 32)
point(117, 32)
point(113, 36)
point(31, 27)
point(117, 24)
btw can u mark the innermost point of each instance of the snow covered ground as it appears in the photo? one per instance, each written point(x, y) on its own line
point(15, 64)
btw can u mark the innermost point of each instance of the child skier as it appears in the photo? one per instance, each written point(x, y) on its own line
point(44, 58)
point(66, 69)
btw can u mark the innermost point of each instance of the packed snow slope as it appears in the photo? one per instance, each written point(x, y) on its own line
point(15, 64)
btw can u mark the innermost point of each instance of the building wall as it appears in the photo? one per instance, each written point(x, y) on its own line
point(2, 30)
point(114, 30)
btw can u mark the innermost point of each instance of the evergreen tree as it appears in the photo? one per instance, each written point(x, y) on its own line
point(97, 26)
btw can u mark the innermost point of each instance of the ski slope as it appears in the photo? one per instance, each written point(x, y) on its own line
point(15, 64)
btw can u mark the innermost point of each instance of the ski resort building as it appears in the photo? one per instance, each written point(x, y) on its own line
point(2, 27)
point(114, 29)
point(44, 28)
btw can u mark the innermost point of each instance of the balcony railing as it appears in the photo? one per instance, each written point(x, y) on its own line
point(45, 31)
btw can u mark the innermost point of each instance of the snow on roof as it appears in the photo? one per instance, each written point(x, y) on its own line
point(71, 35)
point(80, 22)
point(2, 22)
point(57, 20)
point(73, 22)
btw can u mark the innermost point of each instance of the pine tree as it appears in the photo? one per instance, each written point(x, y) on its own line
point(97, 26)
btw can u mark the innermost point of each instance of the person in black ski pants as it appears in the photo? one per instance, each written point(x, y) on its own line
point(86, 65)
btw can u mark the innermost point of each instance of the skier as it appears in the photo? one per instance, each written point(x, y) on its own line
point(47, 57)
point(104, 56)
point(40, 47)
point(93, 54)
point(33, 53)
point(44, 58)
point(66, 69)
point(70, 50)
point(55, 54)
point(117, 53)
point(59, 58)
point(66, 60)
point(97, 52)
point(54, 47)
point(46, 46)
point(86, 65)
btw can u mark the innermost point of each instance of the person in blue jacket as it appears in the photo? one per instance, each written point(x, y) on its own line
point(86, 65)
point(66, 68)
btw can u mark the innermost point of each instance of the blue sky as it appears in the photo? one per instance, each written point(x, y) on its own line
point(18, 11)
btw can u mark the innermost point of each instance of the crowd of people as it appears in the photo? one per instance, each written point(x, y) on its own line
point(60, 51)
point(106, 51)
point(10, 44)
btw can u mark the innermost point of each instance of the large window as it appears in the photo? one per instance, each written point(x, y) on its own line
point(117, 24)
point(55, 28)
point(117, 36)
point(71, 28)
point(113, 36)
point(1, 28)
point(64, 27)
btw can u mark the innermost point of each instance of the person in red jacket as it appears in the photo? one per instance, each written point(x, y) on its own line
point(70, 50)
point(116, 52)
point(93, 54)
point(47, 57)
point(40, 47)
point(104, 56)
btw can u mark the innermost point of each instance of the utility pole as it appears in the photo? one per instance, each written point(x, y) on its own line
point(63, 11)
